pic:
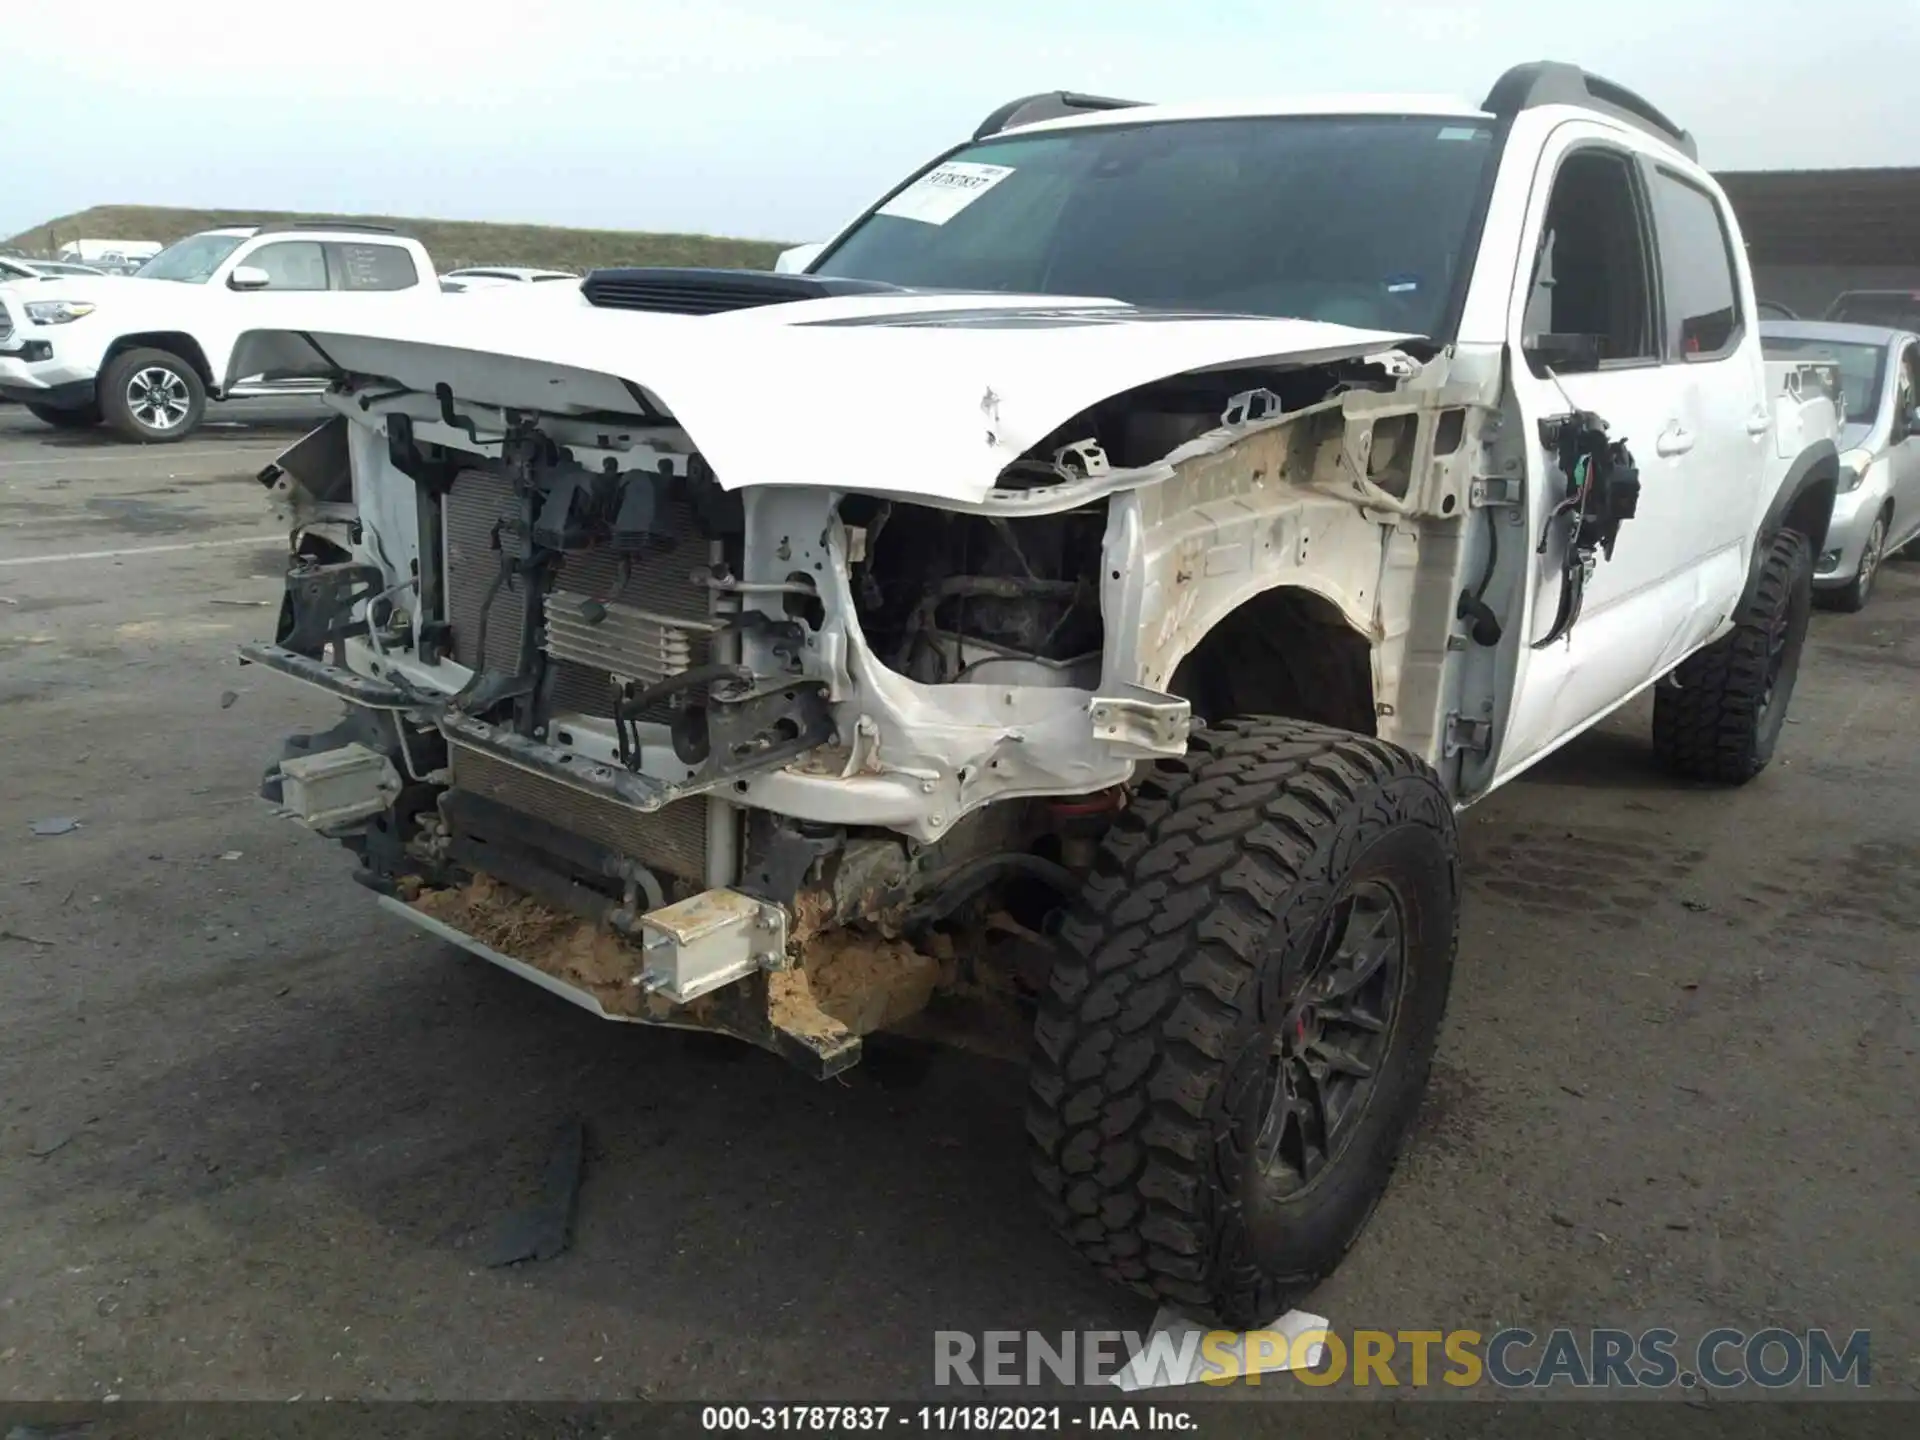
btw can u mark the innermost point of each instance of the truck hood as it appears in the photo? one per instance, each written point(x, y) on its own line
point(98, 288)
point(905, 393)
point(107, 290)
point(49, 287)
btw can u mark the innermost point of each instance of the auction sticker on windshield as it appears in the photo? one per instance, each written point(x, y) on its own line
point(944, 191)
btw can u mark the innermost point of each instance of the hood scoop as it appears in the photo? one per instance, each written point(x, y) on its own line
point(681, 291)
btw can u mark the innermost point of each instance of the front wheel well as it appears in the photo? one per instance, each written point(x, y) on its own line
point(1811, 511)
point(174, 342)
point(1287, 652)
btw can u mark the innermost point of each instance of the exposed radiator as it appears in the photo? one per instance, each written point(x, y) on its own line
point(653, 617)
point(655, 623)
point(672, 841)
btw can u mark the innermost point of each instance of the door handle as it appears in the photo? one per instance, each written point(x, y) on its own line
point(1759, 422)
point(1676, 439)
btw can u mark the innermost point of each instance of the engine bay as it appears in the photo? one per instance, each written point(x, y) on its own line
point(949, 597)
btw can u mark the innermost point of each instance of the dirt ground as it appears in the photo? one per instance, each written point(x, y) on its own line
point(252, 1127)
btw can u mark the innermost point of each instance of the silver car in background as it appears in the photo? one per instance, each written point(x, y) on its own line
point(1878, 508)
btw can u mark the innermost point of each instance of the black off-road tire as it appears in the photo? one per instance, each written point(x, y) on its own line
point(1721, 717)
point(184, 388)
point(1156, 1050)
point(82, 418)
point(1851, 598)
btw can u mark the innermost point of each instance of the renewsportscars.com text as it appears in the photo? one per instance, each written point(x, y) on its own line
point(1511, 1358)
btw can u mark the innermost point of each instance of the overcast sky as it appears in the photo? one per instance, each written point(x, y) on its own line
point(779, 120)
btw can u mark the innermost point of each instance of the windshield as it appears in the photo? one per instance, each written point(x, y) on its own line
point(1363, 221)
point(193, 259)
point(1862, 368)
point(1894, 308)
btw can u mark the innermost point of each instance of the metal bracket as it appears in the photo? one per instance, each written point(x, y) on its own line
point(319, 604)
point(1397, 363)
point(336, 680)
point(1085, 458)
point(1488, 490)
point(1140, 722)
point(1249, 407)
point(710, 940)
point(781, 853)
point(1464, 734)
point(312, 478)
point(338, 787)
point(740, 735)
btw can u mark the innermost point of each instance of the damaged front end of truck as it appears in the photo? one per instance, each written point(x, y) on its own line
point(715, 701)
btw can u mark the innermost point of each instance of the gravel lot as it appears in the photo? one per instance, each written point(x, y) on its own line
point(252, 1126)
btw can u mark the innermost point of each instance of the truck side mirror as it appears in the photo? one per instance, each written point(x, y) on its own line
point(248, 277)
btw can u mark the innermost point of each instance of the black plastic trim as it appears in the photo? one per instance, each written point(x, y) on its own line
point(1549, 82)
point(73, 395)
point(690, 291)
point(1046, 105)
point(331, 227)
point(1818, 466)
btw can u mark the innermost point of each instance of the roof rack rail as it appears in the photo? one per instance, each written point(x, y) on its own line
point(1547, 82)
point(279, 226)
point(1047, 105)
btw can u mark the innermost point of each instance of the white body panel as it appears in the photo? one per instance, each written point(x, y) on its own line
point(930, 396)
point(1706, 437)
point(1681, 563)
point(927, 409)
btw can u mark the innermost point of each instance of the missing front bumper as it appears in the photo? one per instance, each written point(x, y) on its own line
point(702, 964)
point(762, 733)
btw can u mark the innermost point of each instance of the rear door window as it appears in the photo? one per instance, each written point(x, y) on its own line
point(362, 266)
point(1703, 319)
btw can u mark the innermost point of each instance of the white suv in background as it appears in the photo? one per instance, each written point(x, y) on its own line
point(145, 353)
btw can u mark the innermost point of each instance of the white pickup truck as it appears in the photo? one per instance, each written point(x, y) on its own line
point(1087, 589)
point(146, 352)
